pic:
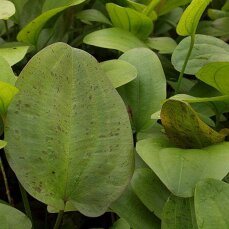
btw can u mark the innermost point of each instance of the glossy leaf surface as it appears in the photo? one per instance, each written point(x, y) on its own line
point(64, 145)
point(7, 9)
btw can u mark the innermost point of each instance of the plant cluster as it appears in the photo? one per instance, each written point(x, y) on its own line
point(114, 114)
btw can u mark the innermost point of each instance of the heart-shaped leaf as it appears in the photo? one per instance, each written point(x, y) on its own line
point(12, 218)
point(130, 20)
point(191, 16)
point(68, 132)
point(206, 49)
point(113, 38)
point(119, 72)
point(212, 204)
point(216, 75)
point(181, 169)
point(179, 213)
point(184, 128)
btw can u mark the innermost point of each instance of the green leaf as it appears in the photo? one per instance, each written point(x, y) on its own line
point(120, 224)
point(184, 128)
point(226, 6)
point(81, 157)
point(179, 213)
point(13, 52)
point(191, 16)
point(130, 208)
point(212, 204)
point(92, 15)
point(7, 93)
point(2, 145)
point(113, 38)
point(206, 49)
point(7, 9)
point(150, 190)
point(216, 14)
point(181, 169)
point(144, 94)
point(12, 218)
point(214, 74)
point(29, 34)
point(165, 45)
point(119, 72)
point(166, 6)
point(6, 73)
point(130, 20)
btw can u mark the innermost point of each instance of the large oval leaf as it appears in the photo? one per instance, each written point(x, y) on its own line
point(216, 75)
point(68, 132)
point(130, 20)
point(144, 94)
point(12, 218)
point(206, 49)
point(212, 204)
point(181, 169)
point(179, 213)
point(113, 38)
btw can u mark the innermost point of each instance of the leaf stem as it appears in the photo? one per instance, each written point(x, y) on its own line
point(25, 202)
point(59, 219)
point(10, 200)
point(185, 63)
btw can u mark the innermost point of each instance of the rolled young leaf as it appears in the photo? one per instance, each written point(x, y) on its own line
point(68, 132)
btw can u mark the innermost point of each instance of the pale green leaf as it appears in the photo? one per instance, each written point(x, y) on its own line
point(7, 9)
point(216, 75)
point(13, 52)
point(2, 144)
point(144, 94)
point(114, 38)
point(206, 49)
point(179, 213)
point(92, 15)
point(7, 93)
point(11, 218)
point(165, 45)
point(6, 73)
point(181, 169)
point(119, 72)
point(191, 16)
point(150, 190)
point(212, 204)
point(130, 20)
point(130, 208)
point(29, 34)
point(64, 146)
point(184, 127)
